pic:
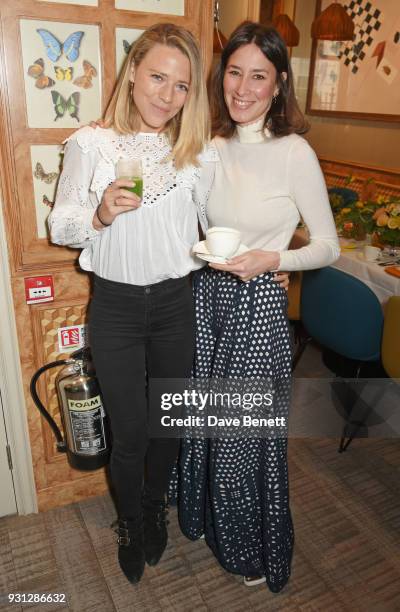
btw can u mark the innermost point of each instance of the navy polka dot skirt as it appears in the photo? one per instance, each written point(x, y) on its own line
point(235, 491)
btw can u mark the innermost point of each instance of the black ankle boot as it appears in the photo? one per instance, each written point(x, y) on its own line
point(155, 529)
point(131, 548)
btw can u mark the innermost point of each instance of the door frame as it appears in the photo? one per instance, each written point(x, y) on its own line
point(12, 389)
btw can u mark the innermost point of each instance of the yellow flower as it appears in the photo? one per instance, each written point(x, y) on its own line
point(345, 211)
point(382, 220)
point(382, 199)
point(359, 204)
point(394, 223)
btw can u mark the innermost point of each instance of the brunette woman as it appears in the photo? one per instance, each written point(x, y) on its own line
point(235, 490)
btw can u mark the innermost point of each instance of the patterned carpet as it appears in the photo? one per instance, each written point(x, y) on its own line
point(346, 511)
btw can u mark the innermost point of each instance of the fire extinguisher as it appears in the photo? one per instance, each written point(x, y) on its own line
point(87, 439)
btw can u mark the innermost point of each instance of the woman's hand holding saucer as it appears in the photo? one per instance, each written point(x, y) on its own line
point(250, 264)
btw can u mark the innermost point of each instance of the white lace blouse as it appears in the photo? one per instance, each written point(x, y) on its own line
point(143, 246)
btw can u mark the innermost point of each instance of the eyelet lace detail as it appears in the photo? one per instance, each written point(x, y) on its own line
point(71, 190)
point(159, 175)
point(85, 178)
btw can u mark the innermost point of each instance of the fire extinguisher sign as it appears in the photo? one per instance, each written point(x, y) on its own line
point(71, 338)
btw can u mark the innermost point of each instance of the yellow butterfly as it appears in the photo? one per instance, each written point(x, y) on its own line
point(47, 177)
point(63, 73)
point(36, 71)
point(85, 80)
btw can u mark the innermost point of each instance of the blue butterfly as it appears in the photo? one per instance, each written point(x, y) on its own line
point(55, 49)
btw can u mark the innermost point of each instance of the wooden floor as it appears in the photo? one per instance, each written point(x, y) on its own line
point(346, 511)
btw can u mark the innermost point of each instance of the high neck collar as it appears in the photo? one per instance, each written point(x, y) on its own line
point(253, 132)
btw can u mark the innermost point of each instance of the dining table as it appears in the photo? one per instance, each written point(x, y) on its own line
point(373, 273)
point(352, 261)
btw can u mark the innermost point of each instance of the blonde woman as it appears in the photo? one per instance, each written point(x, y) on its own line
point(141, 314)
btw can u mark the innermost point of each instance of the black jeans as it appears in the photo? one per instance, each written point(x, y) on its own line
point(135, 331)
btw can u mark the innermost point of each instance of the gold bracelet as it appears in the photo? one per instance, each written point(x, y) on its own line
point(100, 219)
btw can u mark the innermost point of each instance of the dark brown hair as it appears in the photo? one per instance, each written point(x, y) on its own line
point(284, 116)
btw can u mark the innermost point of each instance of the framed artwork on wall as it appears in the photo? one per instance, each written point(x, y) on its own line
point(46, 163)
point(62, 71)
point(359, 79)
point(169, 7)
point(124, 37)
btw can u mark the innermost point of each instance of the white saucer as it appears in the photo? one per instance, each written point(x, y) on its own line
point(201, 251)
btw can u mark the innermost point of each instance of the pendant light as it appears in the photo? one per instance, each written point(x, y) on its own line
point(333, 23)
point(288, 31)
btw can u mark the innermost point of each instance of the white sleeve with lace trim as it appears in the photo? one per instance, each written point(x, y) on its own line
point(70, 221)
point(311, 198)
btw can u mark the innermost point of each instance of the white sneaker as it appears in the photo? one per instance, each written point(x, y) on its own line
point(251, 581)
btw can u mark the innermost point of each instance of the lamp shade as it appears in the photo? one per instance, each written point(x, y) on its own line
point(333, 24)
point(286, 28)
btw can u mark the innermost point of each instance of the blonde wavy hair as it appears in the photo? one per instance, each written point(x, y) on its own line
point(189, 130)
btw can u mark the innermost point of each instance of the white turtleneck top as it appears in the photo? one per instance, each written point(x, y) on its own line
point(262, 185)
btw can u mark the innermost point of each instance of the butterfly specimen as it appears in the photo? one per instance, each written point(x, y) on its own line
point(54, 48)
point(48, 202)
point(63, 73)
point(36, 71)
point(127, 46)
point(47, 177)
point(85, 80)
point(61, 105)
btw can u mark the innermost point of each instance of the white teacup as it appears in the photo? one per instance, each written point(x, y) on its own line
point(371, 253)
point(222, 241)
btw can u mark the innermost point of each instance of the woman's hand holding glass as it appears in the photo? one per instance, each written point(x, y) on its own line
point(115, 201)
point(116, 198)
point(250, 264)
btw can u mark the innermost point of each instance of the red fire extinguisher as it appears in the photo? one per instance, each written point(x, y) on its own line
point(86, 439)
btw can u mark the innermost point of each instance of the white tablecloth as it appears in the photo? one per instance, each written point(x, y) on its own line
point(382, 284)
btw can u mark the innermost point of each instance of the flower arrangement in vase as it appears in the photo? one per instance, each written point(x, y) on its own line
point(386, 223)
point(357, 215)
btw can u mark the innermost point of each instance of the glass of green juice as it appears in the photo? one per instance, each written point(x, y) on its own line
point(131, 170)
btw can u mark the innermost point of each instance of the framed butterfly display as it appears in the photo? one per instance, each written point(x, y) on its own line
point(46, 162)
point(62, 73)
point(169, 7)
point(124, 37)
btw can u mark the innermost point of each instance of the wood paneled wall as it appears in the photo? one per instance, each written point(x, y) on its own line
point(337, 174)
point(29, 255)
